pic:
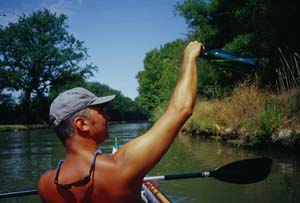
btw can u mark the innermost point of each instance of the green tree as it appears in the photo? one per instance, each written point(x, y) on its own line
point(157, 80)
point(148, 86)
point(253, 27)
point(220, 23)
point(37, 52)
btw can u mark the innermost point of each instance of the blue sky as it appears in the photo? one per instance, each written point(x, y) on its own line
point(117, 33)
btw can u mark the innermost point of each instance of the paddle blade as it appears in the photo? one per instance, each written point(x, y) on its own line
point(245, 171)
point(221, 56)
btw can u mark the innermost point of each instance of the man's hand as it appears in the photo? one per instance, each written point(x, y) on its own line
point(193, 50)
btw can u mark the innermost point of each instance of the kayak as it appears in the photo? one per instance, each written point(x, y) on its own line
point(150, 192)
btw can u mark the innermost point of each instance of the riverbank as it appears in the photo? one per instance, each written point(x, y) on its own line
point(19, 127)
point(285, 140)
point(250, 117)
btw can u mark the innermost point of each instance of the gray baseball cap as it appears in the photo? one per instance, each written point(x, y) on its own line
point(71, 101)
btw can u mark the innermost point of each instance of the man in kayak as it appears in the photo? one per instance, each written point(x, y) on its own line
point(86, 175)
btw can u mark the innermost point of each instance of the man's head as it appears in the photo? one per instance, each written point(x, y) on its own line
point(71, 103)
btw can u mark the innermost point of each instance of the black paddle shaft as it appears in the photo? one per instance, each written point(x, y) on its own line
point(18, 193)
point(186, 175)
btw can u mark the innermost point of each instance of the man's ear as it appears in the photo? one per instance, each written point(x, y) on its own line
point(81, 123)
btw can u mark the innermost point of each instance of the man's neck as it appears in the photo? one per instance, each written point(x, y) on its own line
point(80, 144)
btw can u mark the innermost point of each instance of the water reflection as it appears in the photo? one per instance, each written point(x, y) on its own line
point(25, 155)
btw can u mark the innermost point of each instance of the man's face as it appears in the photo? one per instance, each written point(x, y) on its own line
point(98, 122)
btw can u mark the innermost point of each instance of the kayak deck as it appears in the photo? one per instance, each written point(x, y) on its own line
point(152, 194)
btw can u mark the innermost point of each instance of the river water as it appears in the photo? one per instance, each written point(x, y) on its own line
point(25, 155)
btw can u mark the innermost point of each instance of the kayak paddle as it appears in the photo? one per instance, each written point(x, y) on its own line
point(240, 172)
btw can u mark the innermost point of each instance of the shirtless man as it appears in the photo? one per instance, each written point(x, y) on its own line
point(88, 176)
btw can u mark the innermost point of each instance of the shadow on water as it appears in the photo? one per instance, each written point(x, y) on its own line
point(25, 155)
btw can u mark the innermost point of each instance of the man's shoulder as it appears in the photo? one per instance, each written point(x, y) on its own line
point(45, 181)
point(47, 175)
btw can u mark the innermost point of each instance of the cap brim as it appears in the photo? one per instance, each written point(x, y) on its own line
point(102, 100)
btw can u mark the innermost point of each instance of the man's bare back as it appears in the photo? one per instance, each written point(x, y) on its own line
point(101, 188)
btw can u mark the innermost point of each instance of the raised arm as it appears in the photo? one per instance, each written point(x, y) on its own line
point(141, 154)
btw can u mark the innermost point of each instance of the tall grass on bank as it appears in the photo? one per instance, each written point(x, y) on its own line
point(249, 114)
point(288, 72)
point(254, 115)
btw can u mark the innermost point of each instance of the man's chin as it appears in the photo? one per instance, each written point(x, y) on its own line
point(102, 138)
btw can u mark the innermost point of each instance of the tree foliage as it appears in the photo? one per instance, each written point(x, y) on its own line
point(220, 22)
point(156, 81)
point(256, 28)
point(37, 52)
point(252, 27)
